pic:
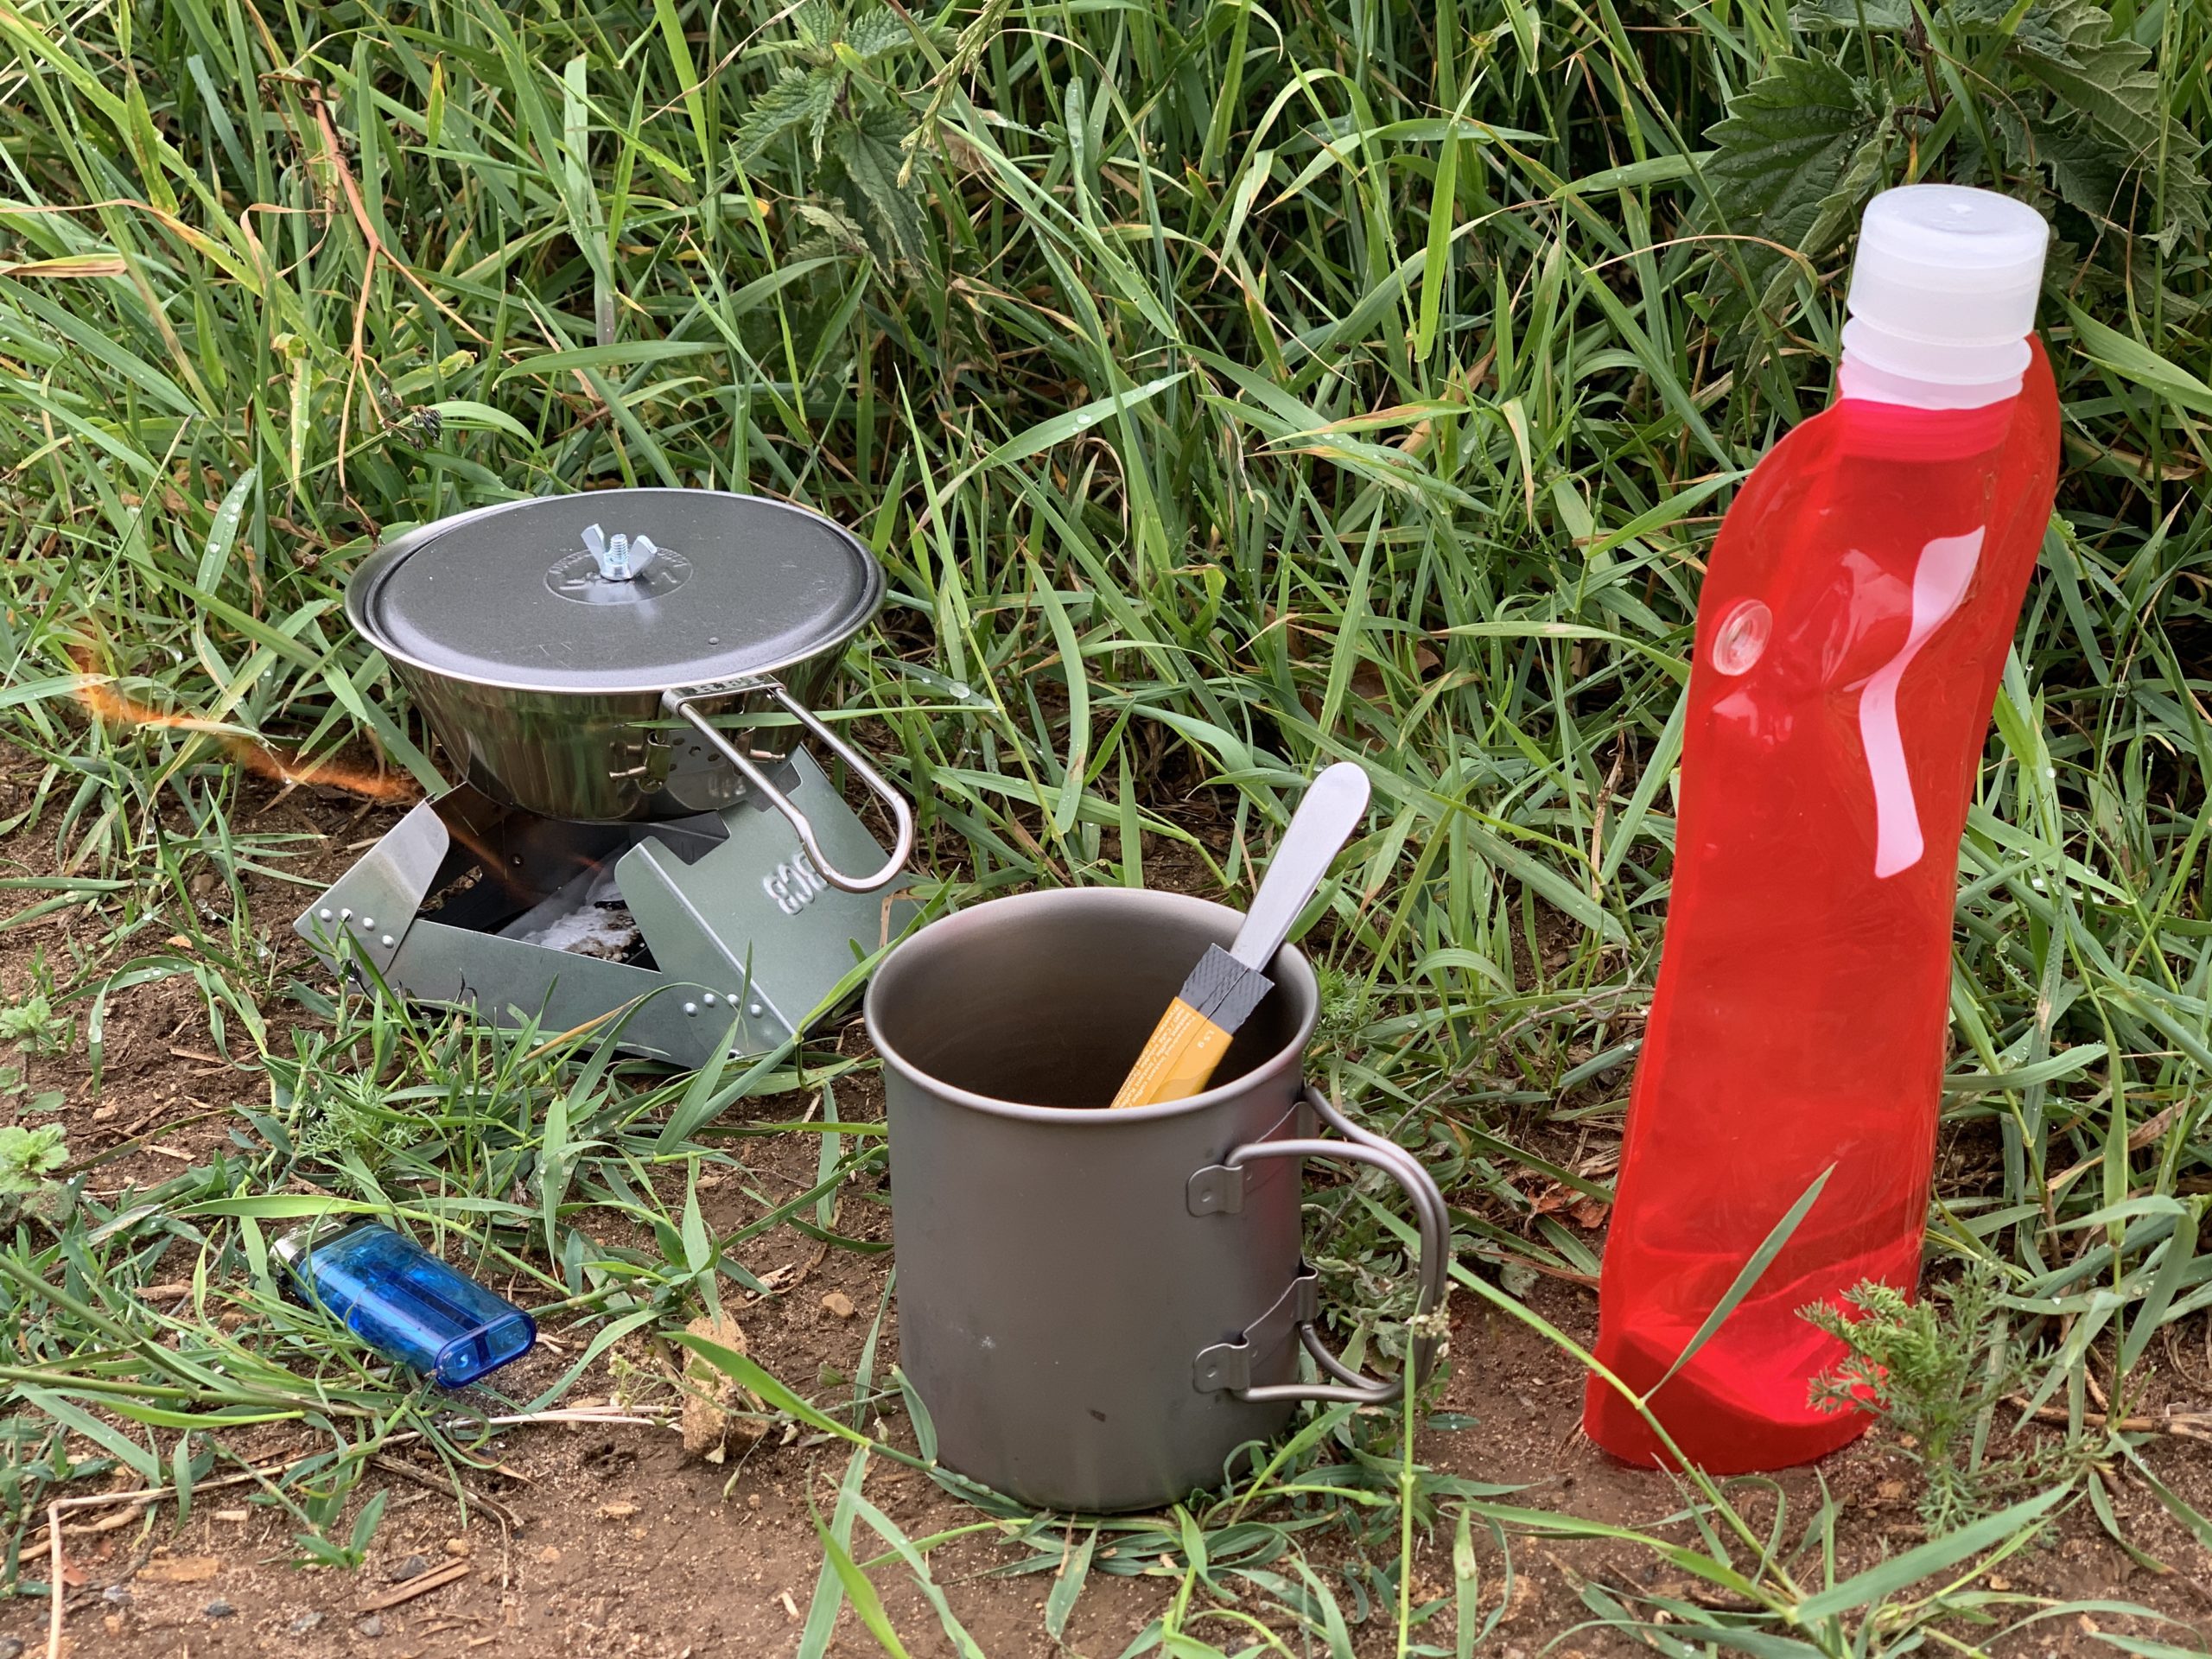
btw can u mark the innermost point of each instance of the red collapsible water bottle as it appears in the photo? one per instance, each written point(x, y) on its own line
point(1850, 637)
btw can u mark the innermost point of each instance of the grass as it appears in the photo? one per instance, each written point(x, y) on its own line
point(1228, 391)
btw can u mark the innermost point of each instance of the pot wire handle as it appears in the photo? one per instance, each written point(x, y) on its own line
point(1362, 1146)
point(681, 700)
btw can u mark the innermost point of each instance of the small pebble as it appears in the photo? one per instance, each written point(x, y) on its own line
point(371, 1627)
point(219, 1609)
point(117, 1593)
point(839, 1304)
point(413, 1567)
point(10, 1647)
point(305, 1622)
point(457, 1546)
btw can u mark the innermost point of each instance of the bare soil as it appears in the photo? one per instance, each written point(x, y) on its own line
point(610, 1540)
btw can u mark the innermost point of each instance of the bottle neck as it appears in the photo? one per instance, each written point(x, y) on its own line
point(1890, 430)
point(1882, 367)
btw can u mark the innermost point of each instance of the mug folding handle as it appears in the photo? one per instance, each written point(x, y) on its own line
point(683, 701)
point(1360, 1146)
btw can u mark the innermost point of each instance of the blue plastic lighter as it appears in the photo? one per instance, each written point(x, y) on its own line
point(403, 1301)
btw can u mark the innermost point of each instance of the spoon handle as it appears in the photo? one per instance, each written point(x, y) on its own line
point(1221, 992)
point(1331, 810)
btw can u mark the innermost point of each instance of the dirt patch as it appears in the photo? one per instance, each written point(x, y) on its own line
point(593, 1538)
point(1525, 1396)
point(609, 1539)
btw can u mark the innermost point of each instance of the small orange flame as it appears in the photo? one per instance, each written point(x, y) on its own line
point(107, 705)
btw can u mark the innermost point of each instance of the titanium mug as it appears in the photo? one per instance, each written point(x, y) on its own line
point(1098, 1308)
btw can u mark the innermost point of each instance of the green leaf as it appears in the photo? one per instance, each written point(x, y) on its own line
point(872, 166)
point(2181, 1252)
point(877, 31)
point(752, 1376)
point(1062, 427)
point(621, 355)
point(815, 22)
point(698, 1243)
point(829, 1595)
point(2131, 360)
point(860, 1593)
point(225, 530)
point(1067, 1586)
point(2074, 49)
point(1873, 15)
point(1748, 1276)
point(686, 78)
point(365, 1524)
point(27, 1155)
point(181, 1479)
point(145, 1463)
point(280, 1207)
point(1937, 1555)
point(2105, 176)
point(467, 416)
point(796, 97)
point(1442, 202)
point(905, 1549)
point(1786, 141)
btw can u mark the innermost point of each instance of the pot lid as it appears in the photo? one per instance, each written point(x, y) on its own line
point(616, 590)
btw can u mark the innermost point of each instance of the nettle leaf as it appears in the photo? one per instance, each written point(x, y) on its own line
point(1790, 149)
point(877, 31)
point(2074, 47)
point(1813, 14)
point(871, 163)
point(815, 22)
point(798, 96)
point(1837, 212)
point(2091, 170)
point(2085, 169)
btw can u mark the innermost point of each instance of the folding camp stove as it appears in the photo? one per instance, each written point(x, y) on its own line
point(717, 928)
point(641, 835)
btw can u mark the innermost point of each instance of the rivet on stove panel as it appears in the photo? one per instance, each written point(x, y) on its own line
point(346, 914)
point(389, 941)
point(754, 1010)
point(323, 915)
point(709, 999)
point(367, 923)
point(691, 1007)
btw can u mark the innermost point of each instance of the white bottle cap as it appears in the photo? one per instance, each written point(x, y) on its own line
point(1942, 298)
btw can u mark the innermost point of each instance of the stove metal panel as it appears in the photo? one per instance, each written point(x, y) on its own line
point(744, 942)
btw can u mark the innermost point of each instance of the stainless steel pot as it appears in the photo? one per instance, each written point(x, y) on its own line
point(614, 675)
point(1098, 1307)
